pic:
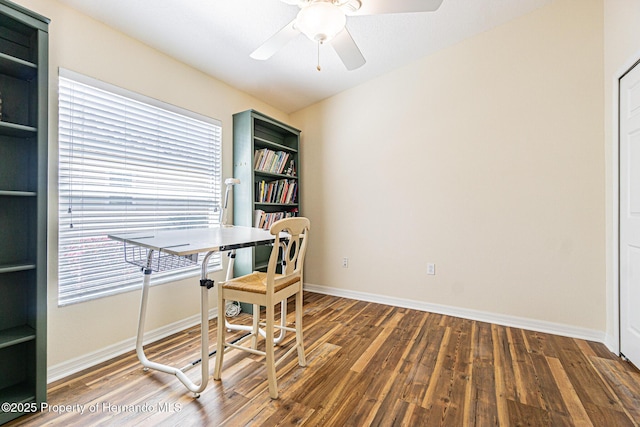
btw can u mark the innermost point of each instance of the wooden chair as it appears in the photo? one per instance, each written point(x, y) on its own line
point(268, 289)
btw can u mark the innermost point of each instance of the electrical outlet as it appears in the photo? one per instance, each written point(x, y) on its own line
point(345, 262)
point(431, 269)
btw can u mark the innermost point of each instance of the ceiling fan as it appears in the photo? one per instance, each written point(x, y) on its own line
point(325, 21)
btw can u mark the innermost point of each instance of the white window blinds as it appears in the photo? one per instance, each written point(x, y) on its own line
point(127, 163)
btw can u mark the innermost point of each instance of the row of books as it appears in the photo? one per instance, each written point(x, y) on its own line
point(262, 219)
point(280, 191)
point(266, 160)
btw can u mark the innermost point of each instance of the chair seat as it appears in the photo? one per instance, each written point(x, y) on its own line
point(256, 282)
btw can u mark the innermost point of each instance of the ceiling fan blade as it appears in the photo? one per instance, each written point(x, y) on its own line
point(375, 7)
point(347, 50)
point(275, 42)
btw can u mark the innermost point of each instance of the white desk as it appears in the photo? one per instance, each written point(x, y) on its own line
point(166, 249)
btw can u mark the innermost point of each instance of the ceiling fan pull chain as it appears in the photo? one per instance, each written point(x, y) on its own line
point(318, 66)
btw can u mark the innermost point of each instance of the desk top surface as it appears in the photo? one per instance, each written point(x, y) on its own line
point(197, 240)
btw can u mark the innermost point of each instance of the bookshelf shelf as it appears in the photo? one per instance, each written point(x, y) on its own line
point(273, 145)
point(12, 268)
point(12, 193)
point(16, 67)
point(16, 335)
point(17, 130)
point(273, 175)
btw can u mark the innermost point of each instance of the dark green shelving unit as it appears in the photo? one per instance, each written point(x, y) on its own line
point(253, 131)
point(23, 207)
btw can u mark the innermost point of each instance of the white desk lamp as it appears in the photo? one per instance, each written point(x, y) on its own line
point(232, 308)
point(230, 182)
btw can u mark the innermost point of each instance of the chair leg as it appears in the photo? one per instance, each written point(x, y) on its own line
point(256, 324)
point(302, 361)
point(270, 357)
point(221, 337)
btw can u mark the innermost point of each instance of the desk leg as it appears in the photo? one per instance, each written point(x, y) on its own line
point(204, 325)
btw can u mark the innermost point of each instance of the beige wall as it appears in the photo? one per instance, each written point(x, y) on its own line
point(485, 159)
point(88, 47)
point(622, 49)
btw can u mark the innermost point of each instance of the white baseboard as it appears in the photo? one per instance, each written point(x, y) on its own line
point(482, 316)
point(88, 360)
point(72, 366)
point(612, 344)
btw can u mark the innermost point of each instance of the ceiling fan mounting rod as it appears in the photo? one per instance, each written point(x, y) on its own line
point(349, 6)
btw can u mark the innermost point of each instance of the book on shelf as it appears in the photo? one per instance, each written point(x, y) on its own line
point(266, 160)
point(291, 170)
point(257, 217)
point(282, 191)
point(265, 220)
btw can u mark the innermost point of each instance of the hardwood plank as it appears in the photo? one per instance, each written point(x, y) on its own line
point(586, 382)
point(290, 415)
point(585, 348)
point(601, 416)
point(377, 343)
point(400, 415)
point(569, 396)
point(343, 411)
point(441, 355)
point(484, 412)
point(625, 382)
point(371, 405)
point(550, 393)
point(470, 393)
point(338, 398)
point(448, 401)
point(601, 350)
point(483, 404)
point(542, 343)
point(422, 359)
point(502, 367)
point(526, 380)
point(526, 415)
point(483, 343)
point(447, 408)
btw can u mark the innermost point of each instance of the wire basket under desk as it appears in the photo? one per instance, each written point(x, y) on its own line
point(157, 260)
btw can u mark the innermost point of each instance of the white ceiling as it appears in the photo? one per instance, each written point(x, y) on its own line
point(217, 36)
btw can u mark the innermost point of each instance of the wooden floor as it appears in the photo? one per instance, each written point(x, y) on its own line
point(368, 364)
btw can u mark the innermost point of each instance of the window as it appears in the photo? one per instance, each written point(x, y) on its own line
point(127, 163)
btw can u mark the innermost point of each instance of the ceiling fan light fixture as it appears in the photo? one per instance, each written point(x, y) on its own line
point(321, 21)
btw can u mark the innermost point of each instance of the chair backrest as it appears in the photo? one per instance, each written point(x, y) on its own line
point(294, 248)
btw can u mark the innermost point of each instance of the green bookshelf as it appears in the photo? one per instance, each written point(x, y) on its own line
point(23, 208)
point(255, 134)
